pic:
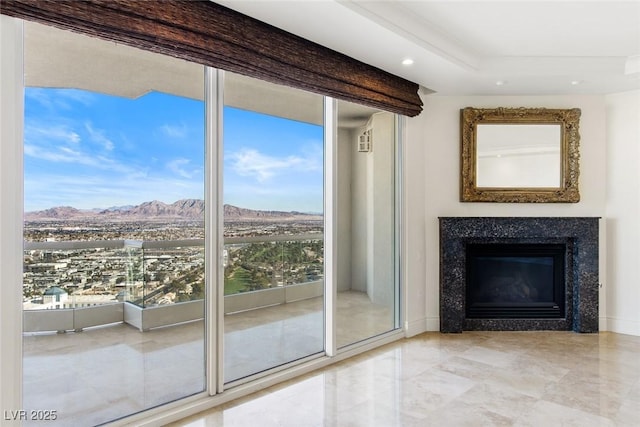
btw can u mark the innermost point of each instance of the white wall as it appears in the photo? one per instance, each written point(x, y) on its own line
point(366, 191)
point(413, 222)
point(382, 215)
point(623, 213)
point(432, 171)
point(346, 141)
point(11, 107)
point(360, 204)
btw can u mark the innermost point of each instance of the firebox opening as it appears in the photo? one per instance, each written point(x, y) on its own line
point(515, 281)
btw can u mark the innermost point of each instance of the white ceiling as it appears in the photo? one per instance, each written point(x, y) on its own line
point(466, 47)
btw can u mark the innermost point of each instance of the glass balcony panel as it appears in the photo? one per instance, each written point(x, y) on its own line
point(76, 274)
point(173, 274)
point(254, 266)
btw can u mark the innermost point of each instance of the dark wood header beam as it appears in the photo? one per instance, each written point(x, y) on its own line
point(210, 34)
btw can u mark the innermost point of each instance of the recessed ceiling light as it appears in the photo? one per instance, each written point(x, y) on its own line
point(501, 82)
point(575, 82)
point(407, 61)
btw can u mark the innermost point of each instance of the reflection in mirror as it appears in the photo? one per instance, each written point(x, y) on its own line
point(519, 155)
point(525, 156)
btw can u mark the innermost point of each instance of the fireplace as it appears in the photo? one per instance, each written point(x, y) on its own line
point(515, 281)
point(524, 273)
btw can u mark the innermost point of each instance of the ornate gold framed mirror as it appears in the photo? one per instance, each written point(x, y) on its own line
point(520, 155)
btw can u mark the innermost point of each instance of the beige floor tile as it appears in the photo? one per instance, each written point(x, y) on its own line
point(551, 414)
point(473, 378)
point(461, 414)
point(520, 386)
point(498, 400)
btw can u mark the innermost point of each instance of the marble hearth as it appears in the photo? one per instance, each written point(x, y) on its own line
point(578, 234)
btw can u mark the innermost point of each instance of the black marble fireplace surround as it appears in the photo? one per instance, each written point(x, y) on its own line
point(578, 234)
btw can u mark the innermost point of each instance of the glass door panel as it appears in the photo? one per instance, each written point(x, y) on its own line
point(114, 228)
point(273, 226)
point(367, 297)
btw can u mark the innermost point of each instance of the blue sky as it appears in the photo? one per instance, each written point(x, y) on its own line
point(89, 150)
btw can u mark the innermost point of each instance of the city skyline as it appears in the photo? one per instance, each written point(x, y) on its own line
point(95, 151)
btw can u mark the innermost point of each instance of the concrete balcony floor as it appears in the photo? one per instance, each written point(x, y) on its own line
point(104, 373)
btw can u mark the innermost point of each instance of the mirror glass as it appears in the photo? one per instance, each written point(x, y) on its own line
point(519, 155)
point(523, 155)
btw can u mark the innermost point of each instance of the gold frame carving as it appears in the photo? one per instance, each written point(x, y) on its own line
point(569, 119)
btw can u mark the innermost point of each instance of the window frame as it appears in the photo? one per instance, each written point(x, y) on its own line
point(11, 160)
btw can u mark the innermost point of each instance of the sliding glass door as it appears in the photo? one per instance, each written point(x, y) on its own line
point(114, 266)
point(367, 282)
point(273, 226)
point(127, 155)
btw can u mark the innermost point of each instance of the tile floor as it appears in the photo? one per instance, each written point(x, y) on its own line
point(106, 373)
point(470, 379)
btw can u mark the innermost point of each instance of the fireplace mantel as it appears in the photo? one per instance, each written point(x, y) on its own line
point(579, 234)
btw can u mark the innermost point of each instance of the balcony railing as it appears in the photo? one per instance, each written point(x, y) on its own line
point(72, 285)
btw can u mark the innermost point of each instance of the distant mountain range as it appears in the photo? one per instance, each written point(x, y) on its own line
point(186, 209)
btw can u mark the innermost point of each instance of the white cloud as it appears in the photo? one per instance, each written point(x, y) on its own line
point(181, 167)
point(174, 131)
point(250, 162)
point(57, 99)
point(66, 154)
point(98, 136)
point(313, 153)
point(70, 152)
point(58, 133)
point(58, 155)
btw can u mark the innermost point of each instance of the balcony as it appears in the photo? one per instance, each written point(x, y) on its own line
point(151, 284)
point(126, 345)
point(105, 373)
